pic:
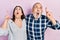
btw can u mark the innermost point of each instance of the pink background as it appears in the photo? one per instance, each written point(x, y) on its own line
point(52, 5)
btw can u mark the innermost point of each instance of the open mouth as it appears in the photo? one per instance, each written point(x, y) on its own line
point(37, 13)
point(17, 13)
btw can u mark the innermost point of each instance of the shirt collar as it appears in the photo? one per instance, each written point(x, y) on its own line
point(34, 17)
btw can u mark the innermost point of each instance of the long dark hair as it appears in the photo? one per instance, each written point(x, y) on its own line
point(22, 17)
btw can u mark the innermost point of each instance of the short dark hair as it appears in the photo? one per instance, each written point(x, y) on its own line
point(22, 17)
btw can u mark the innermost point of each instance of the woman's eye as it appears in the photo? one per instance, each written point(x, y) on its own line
point(16, 9)
point(19, 9)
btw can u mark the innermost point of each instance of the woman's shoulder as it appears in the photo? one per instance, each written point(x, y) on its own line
point(11, 21)
point(24, 20)
point(24, 23)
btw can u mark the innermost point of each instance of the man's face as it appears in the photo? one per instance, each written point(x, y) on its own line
point(37, 10)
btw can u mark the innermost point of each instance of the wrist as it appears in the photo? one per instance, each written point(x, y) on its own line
point(53, 21)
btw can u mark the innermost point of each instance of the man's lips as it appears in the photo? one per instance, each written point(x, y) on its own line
point(37, 13)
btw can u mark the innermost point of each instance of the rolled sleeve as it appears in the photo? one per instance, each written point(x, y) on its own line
point(57, 26)
point(3, 32)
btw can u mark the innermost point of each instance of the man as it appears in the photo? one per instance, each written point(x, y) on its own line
point(36, 23)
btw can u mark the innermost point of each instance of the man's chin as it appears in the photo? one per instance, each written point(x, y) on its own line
point(37, 17)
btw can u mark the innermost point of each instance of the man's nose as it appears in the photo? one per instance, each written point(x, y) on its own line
point(38, 9)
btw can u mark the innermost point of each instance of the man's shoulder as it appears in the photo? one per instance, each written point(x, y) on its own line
point(29, 15)
point(43, 16)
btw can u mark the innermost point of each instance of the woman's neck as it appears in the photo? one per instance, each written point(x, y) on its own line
point(18, 19)
point(18, 22)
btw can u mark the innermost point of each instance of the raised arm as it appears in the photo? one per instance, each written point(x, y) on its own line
point(51, 22)
point(4, 28)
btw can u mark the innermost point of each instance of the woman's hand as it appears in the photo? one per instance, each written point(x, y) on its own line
point(4, 25)
point(7, 17)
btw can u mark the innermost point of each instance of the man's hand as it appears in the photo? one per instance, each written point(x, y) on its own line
point(50, 16)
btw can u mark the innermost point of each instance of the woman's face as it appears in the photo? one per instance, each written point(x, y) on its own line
point(18, 12)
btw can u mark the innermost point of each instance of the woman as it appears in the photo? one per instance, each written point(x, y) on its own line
point(15, 27)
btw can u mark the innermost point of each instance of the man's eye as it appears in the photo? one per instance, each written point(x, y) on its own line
point(40, 7)
point(35, 7)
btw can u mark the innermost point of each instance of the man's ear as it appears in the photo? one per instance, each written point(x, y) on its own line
point(32, 9)
point(42, 9)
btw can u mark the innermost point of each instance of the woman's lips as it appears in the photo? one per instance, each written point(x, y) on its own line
point(17, 13)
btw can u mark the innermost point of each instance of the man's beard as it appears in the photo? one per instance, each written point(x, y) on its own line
point(37, 15)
